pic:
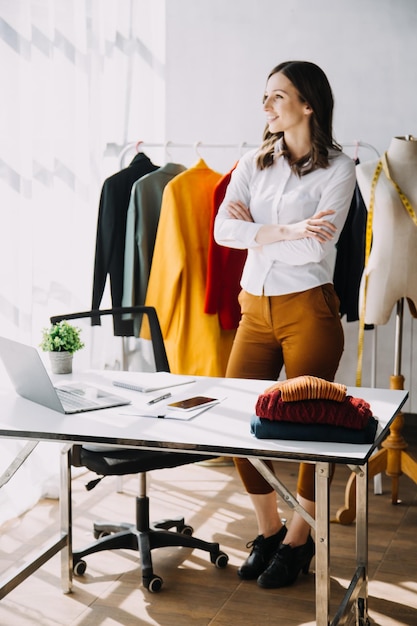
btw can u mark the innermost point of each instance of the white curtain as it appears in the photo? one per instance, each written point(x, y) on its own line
point(80, 79)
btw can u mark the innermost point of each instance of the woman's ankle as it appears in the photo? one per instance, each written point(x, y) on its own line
point(271, 531)
point(296, 540)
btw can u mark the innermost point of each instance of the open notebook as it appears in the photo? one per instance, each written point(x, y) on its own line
point(151, 381)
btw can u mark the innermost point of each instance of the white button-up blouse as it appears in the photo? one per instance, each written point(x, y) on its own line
point(276, 195)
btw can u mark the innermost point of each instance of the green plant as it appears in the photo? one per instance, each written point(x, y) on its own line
point(61, 337)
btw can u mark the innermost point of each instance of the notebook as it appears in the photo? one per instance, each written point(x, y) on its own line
point(31, 381)
point(152, 381)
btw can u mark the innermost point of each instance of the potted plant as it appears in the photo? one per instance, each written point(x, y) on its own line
point(61, 340)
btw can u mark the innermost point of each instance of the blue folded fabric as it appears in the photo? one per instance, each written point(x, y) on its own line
point(266, 429)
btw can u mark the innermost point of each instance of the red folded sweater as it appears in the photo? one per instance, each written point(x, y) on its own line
point(351, 413)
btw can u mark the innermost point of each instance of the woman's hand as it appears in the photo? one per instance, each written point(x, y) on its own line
point(238, 211)
point(315, 227)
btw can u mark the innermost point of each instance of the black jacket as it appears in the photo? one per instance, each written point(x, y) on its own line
point(111, 233)
point(350, 258)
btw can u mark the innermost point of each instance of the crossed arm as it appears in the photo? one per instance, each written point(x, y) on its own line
point(315, 227)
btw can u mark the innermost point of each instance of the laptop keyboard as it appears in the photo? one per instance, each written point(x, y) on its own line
point(72, 400)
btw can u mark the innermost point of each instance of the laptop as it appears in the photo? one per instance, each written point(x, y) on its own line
point(31, 381)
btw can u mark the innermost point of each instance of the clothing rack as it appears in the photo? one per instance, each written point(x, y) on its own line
point(114, 149)
point(168, 145)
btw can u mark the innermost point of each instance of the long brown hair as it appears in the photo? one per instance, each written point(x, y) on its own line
point(314, 89)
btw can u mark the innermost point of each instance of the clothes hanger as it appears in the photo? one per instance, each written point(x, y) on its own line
point(242, 148)
point(356, 153)
point(168, 155)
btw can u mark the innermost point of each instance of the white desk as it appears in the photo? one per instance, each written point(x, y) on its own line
point(221, 431)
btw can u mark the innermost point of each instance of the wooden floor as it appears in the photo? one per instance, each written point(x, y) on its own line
point(194, 591)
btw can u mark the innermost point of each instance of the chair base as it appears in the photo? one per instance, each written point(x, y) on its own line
point(144, 537)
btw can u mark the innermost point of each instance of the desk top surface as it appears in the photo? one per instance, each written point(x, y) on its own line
point(222, 430)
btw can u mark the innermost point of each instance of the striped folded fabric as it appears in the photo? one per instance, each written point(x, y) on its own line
point(308, 388)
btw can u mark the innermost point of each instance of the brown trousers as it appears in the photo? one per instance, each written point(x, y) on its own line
point(299, 331)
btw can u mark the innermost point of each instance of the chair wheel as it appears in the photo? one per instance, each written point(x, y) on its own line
point(187, 530)
point(155, 584)
point(79, 568)
point(220, 560)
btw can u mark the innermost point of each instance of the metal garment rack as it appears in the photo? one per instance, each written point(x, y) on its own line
point(168, 145)
point(121, 151)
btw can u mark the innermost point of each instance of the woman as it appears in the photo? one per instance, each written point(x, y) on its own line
point(287, 203)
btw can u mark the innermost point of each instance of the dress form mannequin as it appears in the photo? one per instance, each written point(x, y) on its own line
point(392, 264)
point(392, 276)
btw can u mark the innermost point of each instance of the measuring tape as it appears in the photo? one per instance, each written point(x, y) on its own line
point(406, 202)
point(381, 165)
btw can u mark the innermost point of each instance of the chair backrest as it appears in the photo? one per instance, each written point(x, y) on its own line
point(160, 358)
point(160, 355)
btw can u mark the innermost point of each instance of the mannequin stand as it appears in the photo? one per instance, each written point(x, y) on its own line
point(392, 457)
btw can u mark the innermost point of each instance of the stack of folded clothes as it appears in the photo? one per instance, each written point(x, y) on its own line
point(312, 409)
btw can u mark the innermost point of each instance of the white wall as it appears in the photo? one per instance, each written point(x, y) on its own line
point(218, 54)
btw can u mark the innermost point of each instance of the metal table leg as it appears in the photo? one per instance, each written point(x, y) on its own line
point(322, 544)
point(61, 544)
point(355, 601)
point(362, 545)
point(65, 506)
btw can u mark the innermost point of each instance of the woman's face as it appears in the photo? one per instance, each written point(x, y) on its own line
point(285, 112)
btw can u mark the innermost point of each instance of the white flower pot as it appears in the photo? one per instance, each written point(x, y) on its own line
point(61, 362)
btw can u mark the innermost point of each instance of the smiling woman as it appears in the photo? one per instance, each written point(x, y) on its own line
point(287, 203)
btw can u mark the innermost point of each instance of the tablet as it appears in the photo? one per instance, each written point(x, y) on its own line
point(190, 404)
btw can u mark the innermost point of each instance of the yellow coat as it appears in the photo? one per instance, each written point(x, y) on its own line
point(194, 340)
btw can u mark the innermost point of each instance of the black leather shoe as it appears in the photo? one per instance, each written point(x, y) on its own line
point(286, 564)
point(262, 551)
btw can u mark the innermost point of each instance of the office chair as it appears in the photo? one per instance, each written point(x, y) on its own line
point(142, 535)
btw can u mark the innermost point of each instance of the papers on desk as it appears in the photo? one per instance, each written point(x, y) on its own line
point(151, 381)
point(178, 405)
point(166, 412)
